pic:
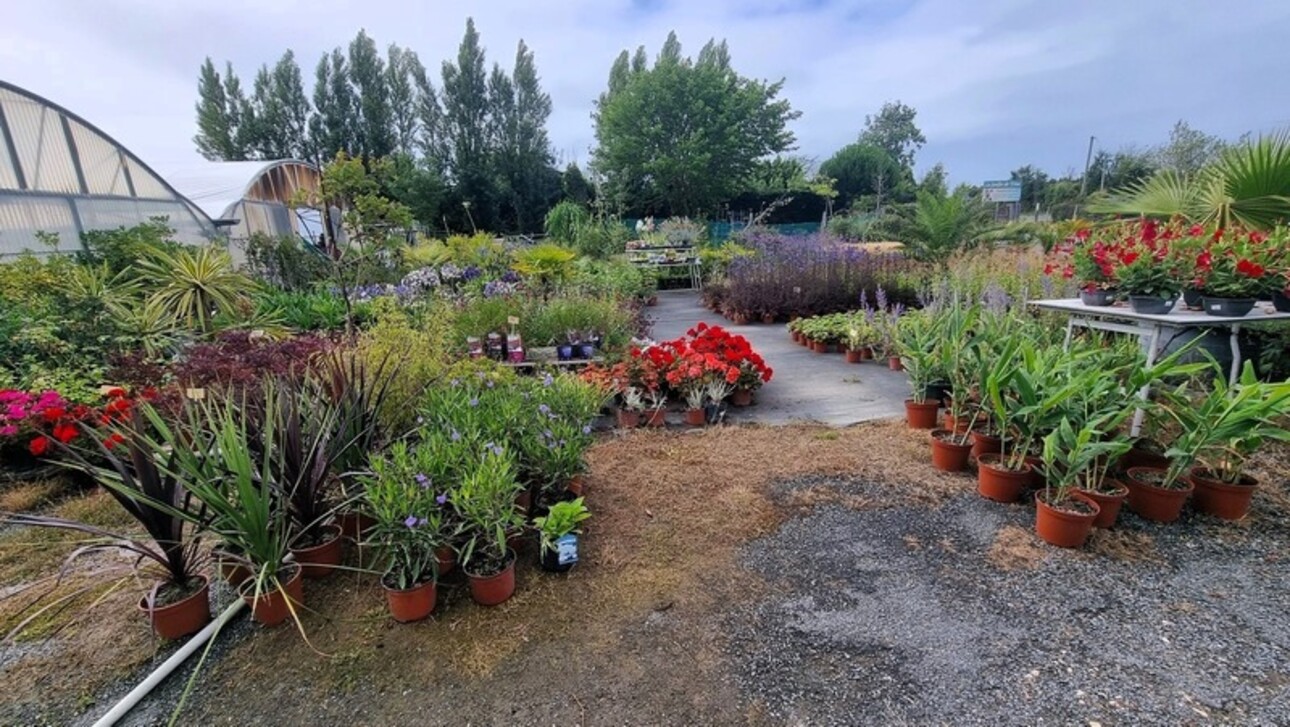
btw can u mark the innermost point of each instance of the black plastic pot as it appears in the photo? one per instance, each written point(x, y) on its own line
point(1281, 302)
point(564, 352)
point(1191, 298)
point(1097, 297)
point(1228, 307)
point(562, 557)
point(936, 392)
point(1151, 305)
point(587, 350)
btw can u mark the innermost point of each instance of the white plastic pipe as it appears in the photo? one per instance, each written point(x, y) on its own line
point(147, 685)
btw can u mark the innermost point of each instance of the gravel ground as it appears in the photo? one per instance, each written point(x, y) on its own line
point(901, 616)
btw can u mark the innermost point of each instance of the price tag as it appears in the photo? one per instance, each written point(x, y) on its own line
point(195, 394)
point(513, 320)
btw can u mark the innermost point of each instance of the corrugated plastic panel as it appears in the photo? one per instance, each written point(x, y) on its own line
point(146, 183)
point(42, 146)
point(22, 216)
point(8, 177)
point(101, 162)
point(109, 214)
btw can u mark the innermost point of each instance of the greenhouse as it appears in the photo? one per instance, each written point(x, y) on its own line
point(249, 197)
point(60, 174)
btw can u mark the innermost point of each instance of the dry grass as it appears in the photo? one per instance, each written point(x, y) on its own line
point(1016, 548)
point(1124, 546)
point(28, 496)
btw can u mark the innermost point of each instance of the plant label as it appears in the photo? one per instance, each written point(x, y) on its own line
point(513, 320)
point(196, 394)
point(567, 548)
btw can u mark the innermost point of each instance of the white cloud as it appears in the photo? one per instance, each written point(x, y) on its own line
point(997, 84)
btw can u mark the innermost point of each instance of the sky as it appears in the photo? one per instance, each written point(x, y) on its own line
point(997, 83)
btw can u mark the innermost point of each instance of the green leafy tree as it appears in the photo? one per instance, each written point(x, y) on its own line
point(1189, 150)
point(402, 70)
point(374, 134)
point(214, 138)
point(575, 186)
point(893, 129)
point(1034, 185)
point(934, 181)
point(522, 151)
point(331, 128)
point(465, 101)
point(862, 170)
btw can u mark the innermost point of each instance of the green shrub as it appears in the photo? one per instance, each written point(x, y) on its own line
point(285, 261)
point(564, 221)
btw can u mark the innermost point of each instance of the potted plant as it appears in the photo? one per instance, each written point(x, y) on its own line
point(629, 412)
point(1087, 262)
point(1219, 432)
point(860, 335)
point(136, 471)
point(558, 532)
point(1151, 285)
point(916, 338)
point(656, 412)
point(1075, 462)
point(308, 445)
point(485, 499)
point(1231, 276)
point(412, 528)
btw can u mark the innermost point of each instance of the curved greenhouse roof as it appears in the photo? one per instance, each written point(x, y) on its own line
point(61, 174)
point(251, 197)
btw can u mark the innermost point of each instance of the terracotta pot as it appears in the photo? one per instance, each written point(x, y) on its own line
point(1139, 457)
point(1220, 499)
point(819, 347)
point(353, 524)
point(494, 589)
point(1109, 504)
point(1036, 471)
point(996, 483)
point(446, 555)
point(271, 609)
point(181, 618)
point(985, 444)
point(628, 419)
point(741, 397)
point(768, 318)
point(524, 501)
point(656, 418)
point(1063, 528)
point(921, 416)
point(895, 364)
point(696, 417)
point(948, 456)
point(576, 485)
point(797, 337)
point(853, 356)
point(866, 353)
point(413, 604)
point(320, 561)
point(1152, 502)
point(958, 427)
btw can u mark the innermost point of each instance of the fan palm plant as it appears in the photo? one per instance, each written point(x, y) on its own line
point(1249, 185)
point(941, 225)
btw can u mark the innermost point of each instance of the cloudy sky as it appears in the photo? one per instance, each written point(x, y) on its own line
point(997, 83)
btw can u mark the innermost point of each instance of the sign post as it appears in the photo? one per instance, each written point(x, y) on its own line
point(1000, 193)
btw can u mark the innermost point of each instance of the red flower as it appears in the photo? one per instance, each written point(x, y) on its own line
point(65, 433)
point(113, 440)
point(1082, 234)
point(1205, 260)
point(39, 446)
point(1257, 237)
point(1249, 269)
point(1128, 257)
point(1196, 231)
point(53, 413)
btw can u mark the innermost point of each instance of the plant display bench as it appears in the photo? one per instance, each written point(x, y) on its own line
point(1153, 328)
point(668, 257)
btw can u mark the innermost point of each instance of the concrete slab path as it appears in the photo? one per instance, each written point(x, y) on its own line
point(806, 386)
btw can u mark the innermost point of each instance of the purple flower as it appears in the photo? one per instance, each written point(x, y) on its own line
point(544, 409)
point(455, 436)
point(548, 434)
point(422, 522)
point(456, 382)
point(548, 380)
point(411, 522)
point(422, 480)
point(441, 499)
point(586, 429)
point(474, 401)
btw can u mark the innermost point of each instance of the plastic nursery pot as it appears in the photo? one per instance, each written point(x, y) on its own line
point(1151, 304)
point(587, 351)
point(628, 419)
point(560, 558)
point(1228, 307)
point(1097, 297)
point(320, 561)
point(494, 588)
point(233, 571)
point(819, 347)
point(853, 356)
point(1142, 457)
point(576, 485)
point(768, 318)
point(524, 501)
point(1192, 298)
point(866, 353)
point(995, 482)
point(921, 415)
point(1108, 501)
point(1151, 501)
point(895, 364)
point(1218, 498)
point(741, 397)
point(1281, 302)
point(1065, 524)
point(983, 443)
point(696, 417)
point(656, 418)
point(948, 454)
point(1036, 471)
point(446, 555)
point(564, 352)
point(960, 426)
point(182, 618)
point(413, 604)
point(270, 607)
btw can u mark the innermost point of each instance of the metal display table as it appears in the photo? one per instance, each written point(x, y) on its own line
point(656, 256)
point(1121, 319)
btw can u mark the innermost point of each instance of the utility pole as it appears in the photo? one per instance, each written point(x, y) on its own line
point(1083, 185)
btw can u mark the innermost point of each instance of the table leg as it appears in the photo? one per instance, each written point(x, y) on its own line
point(1145, 392)
point(1070, 332)
point(1236, 355)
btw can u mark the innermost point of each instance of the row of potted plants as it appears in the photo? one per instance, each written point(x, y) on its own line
point(705, 368)
point(1223, 271)
point(274, 474)
point(1035, 414)
point(863, 335)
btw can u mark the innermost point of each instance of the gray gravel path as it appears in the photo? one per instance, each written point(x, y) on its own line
point(807, 386)
point(897, 617)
